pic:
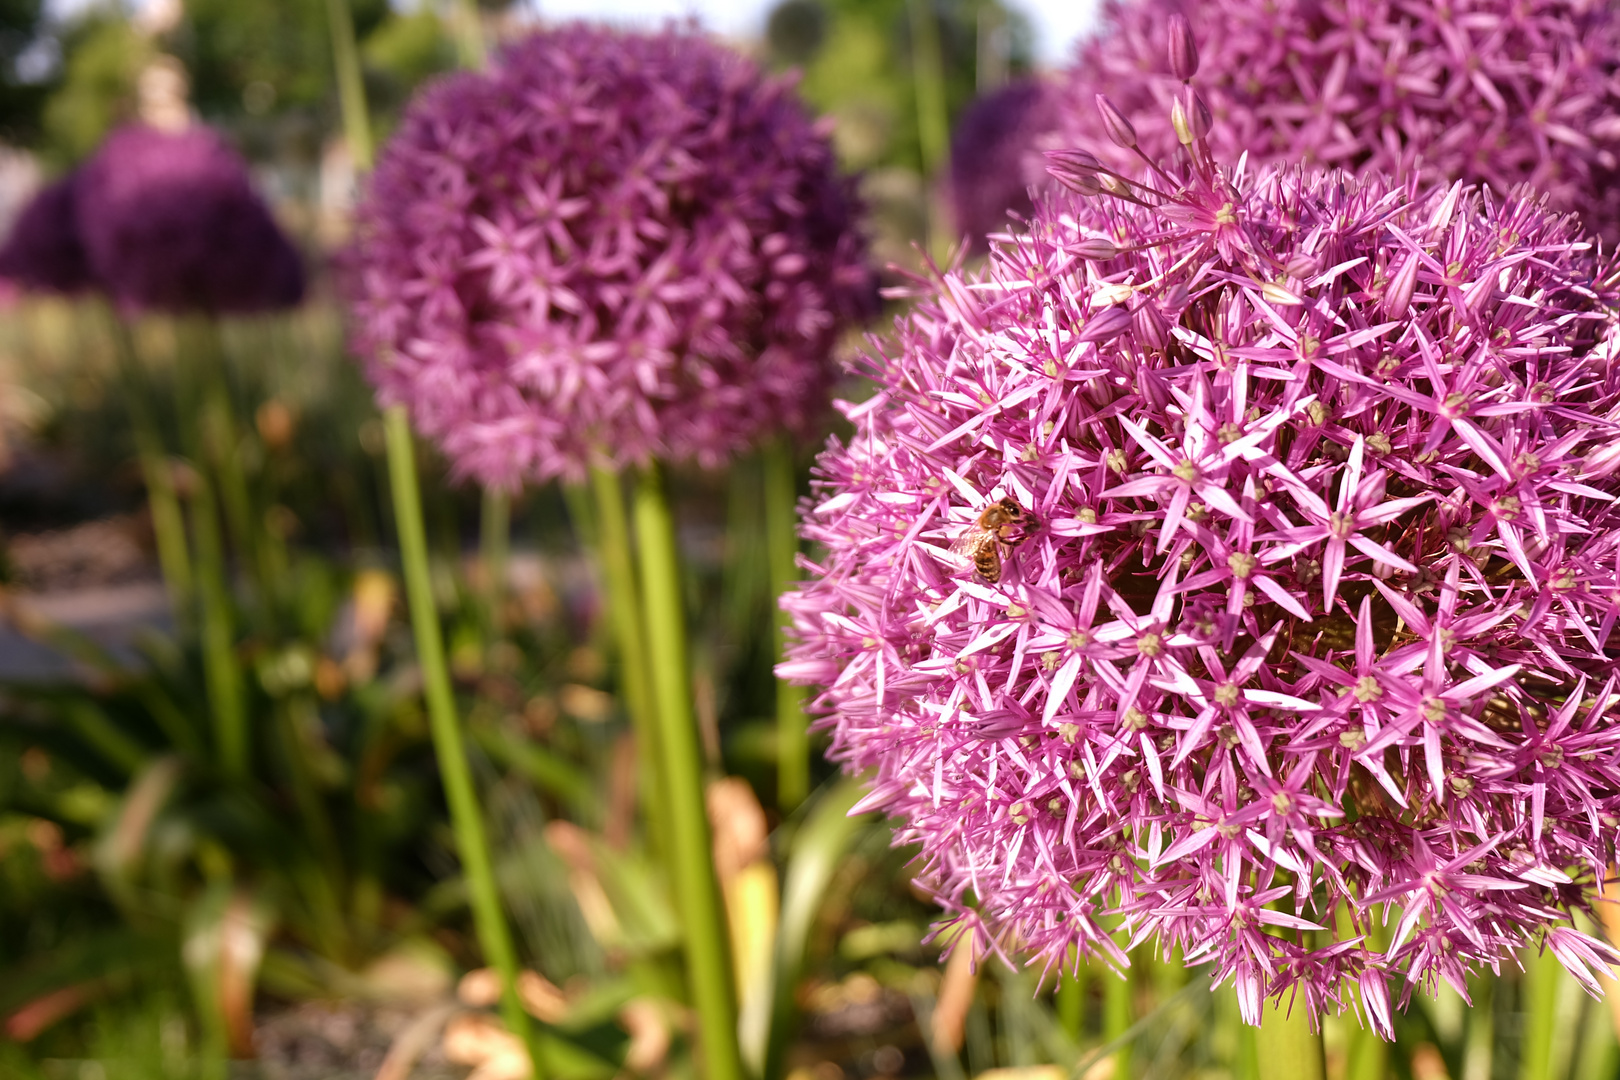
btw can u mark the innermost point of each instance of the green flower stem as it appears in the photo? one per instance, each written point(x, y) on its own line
point(222, 445)
point(1366, 1053)
point(624, 607)
point(210, 584)
point(1539, 1004)
point(1118, 1015)
point(782, 542)
point(222, 676)
point(351, 87)
point(1288, 1048)
point(697, 891)
point(469, 34)
point(163, 501)
point(494, 540)
point(1071, 1001)
point(466, 816)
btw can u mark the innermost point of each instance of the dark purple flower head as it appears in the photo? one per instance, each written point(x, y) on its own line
point(44, 252)
point(171, 223)
point(1495, 92)
point(611, 247)
point(995, 159)
point(1236, 561)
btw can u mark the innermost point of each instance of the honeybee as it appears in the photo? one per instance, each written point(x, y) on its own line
point(1001, 524)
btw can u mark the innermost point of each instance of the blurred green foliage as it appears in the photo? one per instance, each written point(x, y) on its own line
point(259, 68)
point(857, 59)
point(230, 45)
point(102, 58)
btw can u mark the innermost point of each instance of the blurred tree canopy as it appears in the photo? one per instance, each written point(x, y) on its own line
point(20, 99)
point(231, 45)
point(102, 57)
point(857, 57)
point(260, 68)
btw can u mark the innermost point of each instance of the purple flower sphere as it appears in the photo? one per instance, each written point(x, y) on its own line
point(1235, 561)
point(1495, 92)
point(611, 247)
point(171, 223)
point(995, 159)
point(44, 252)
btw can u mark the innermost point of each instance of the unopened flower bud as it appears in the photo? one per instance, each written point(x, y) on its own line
point(1399, 296)
point(1178, 122)
point(1095, 249)
point(1183, 49)
point(1150, 328)
point(1107, 325)
point(1301, 266)
point(1075, 170)
point(1175, 297)
point(1199, 121)
point(1119, 129)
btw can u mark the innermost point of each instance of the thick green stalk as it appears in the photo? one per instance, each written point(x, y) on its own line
point(1071, 1001)
point(624, 607)
point(1366, 1053)
point(1236, 1038)
point(1118, 1015)
point(933, 121)
point(494, 540)
point(703, 920)
point(782, 541)
point(1288, 1048)
point(1539, 1004)
point(466, 816)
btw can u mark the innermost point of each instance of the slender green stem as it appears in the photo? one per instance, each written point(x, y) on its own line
point(466, 816)
point(1288, 1048)
point(702, 918)
point(351, 87)
point(494, 539)
point(469, 33)
point(624, 607)
point(222, 447)
point(782, 541)
point(163, 501)
point(221, 674)
point(933, 122)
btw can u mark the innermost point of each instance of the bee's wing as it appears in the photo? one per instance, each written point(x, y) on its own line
point(966, 544)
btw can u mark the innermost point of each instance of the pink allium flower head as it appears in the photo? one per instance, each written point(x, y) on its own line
point(1495, 92)
point(995, 160)
point(1234, 560)
point(611, 247)
point(44, 252)
point(171, 222)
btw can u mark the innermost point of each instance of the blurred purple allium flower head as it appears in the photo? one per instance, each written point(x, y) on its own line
point(1234, 559)
point(995, 159)
point(171, 222)
point(1494, 92)
point(44, 252)
point(609, 248)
